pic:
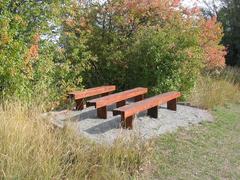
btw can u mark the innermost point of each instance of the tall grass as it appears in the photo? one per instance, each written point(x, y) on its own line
point(30, 148)
point(217, 89)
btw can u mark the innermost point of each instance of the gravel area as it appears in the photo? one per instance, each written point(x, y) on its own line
point(107, 131)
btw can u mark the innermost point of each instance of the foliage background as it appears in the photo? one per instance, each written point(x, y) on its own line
point(50, 48)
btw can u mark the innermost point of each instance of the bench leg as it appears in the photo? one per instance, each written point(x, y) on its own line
point(172, 105)
point(139, 98)
point(128, 122)
point(102, 112)
point(79, 104)
point(153, 112)
point(121, 103)
point(115, 113)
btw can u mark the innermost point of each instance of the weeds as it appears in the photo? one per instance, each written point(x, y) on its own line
point(31, 147)
point(217, 89)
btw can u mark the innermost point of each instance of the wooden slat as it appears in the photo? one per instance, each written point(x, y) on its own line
point(146, 104)
point(117, 97)
point(91, 92)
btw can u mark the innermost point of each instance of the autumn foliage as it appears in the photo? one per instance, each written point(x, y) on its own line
point(210, 41)
point(120, 31)
point(154, 43)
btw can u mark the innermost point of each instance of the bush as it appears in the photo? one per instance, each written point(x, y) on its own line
point(25, 58)
point(127, 43)
point(150, 43)
point(164, 60)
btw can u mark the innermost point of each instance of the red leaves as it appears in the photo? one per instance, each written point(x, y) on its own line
point(210, 39)
point(195, 10)
point(33, 51)
point(215, 56)
point(176, 3)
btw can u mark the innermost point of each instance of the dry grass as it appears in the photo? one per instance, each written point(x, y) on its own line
point(216, 90)
point(231, 74)
point(31, 148)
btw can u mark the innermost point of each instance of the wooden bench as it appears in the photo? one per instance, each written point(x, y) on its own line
point(118, 98)
point(151, 105)
point(80, 96)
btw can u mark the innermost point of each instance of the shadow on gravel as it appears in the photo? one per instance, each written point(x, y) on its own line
point(87, 113)
point(91, 112)
point(112, 123)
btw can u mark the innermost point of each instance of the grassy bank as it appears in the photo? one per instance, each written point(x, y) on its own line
point(31, 148)
point(208, 151)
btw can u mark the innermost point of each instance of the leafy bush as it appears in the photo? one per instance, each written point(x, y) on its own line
point(50, 48)
point(25, 62)
point(164, 60)
point(73, 53)
point(150, 43)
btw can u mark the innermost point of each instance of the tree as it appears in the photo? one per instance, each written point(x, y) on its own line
point(177, 43)
point(22, 24)
point(228, 13)
point(230, 18)
point(73, 54)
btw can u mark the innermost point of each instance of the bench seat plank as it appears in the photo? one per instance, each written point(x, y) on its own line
point(119, 98)
point(79, 96)
point(149, 104)
point(92, 92)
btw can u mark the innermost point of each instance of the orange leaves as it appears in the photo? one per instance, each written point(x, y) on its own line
point(83, 22)
point(215, 56)
point(70, 22)
point(36, 38)
point(210, 37)
point(4, 38)
point(33, 51)
point(195, 10)
point(211, 30)
point(135, 13)
point(176, 3)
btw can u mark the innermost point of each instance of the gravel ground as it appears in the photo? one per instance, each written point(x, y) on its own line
point(107, 131)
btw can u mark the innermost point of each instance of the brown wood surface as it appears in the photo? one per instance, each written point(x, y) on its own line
point(117, 97)
point(105, 90)
point(153, 112)
point(128, 122)
point(102, 112)
point(121, 103)
point(172, 104)
point(139, 98)
point(79, 104)
point(148, 104)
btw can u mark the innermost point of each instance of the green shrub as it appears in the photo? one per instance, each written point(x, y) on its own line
point(50, 48)
point(164, 60)
point(26, 60)
point(148, 43)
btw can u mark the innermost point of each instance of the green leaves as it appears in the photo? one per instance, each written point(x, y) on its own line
point(20, 60)
point(160, 60)
point(52, 47)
